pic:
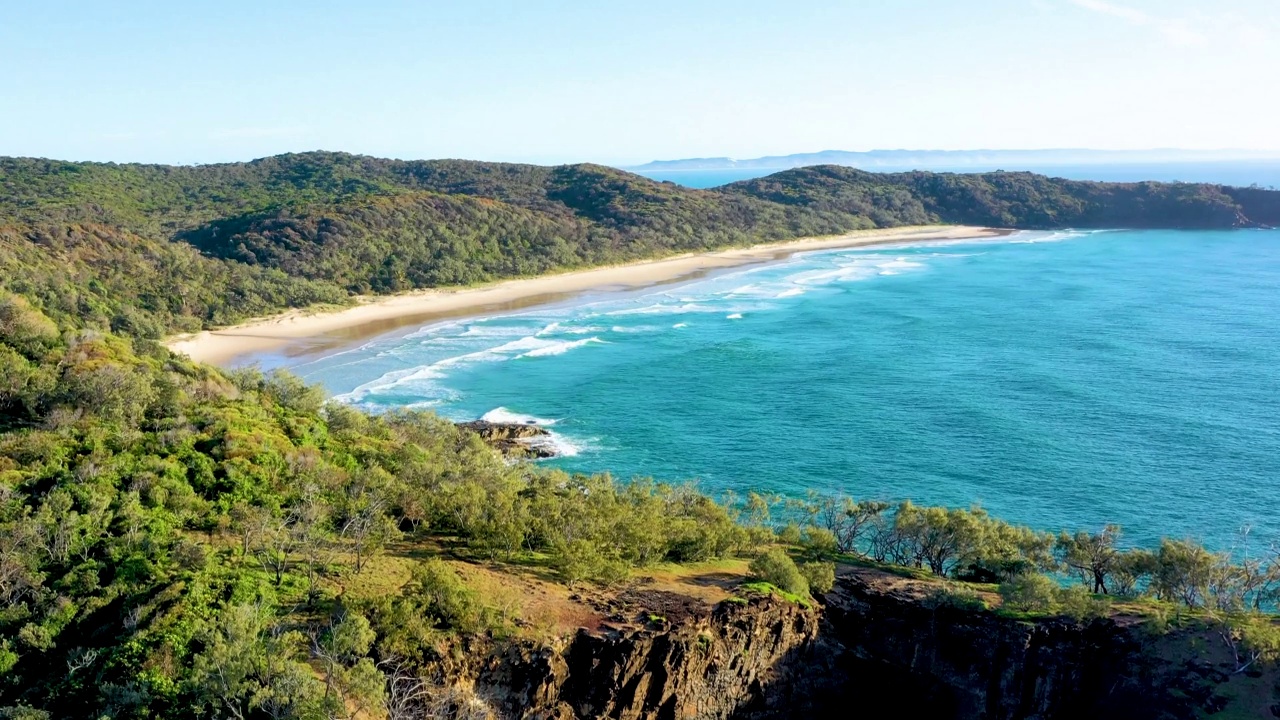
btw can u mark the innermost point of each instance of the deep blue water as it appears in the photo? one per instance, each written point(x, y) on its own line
point(1061, 380)
point(1265, 173)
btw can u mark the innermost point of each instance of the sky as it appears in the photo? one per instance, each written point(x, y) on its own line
point(621, 81)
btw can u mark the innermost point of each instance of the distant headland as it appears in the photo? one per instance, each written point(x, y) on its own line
point(957, 159)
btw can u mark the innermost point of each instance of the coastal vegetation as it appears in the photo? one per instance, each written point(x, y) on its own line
point(178, 540)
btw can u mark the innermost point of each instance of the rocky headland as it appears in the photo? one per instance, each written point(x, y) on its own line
point(514, 440)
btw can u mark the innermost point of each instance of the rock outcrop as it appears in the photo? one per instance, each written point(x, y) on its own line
point(720, 664)
point(514, 440)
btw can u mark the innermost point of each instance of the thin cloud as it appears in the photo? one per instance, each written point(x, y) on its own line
point(1177, 31)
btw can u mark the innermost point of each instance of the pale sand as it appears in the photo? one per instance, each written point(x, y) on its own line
point(299, 332)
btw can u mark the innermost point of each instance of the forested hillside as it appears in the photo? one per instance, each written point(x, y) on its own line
point(1014, 199)
point(157, 249)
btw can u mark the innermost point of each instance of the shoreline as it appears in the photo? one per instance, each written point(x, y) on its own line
point(303, 332)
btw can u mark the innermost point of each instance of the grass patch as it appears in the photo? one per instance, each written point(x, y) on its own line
point(764, 588)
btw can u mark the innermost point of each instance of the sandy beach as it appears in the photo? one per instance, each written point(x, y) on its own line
point(306, 331)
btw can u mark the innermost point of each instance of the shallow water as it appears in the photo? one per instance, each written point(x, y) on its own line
point(1063, 380)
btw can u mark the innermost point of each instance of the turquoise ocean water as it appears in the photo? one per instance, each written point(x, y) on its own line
point(1063, 380)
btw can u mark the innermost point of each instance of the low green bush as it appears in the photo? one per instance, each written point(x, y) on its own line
point(1029, 592)
point(777, 568)
point(821, 576)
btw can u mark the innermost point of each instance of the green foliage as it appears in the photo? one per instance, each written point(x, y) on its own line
point(23, 712)
point(247, 666)
point(1253, 638)
point(821, 576)
point(1093, 556)
point(595, 528)
point(953, 596)
point(1013, 199)
point(441, 594)
point(1029, 592)
point(1077, 603)
point(968, 544)
point(777, 568)
point(818, 542)
point(759, 587)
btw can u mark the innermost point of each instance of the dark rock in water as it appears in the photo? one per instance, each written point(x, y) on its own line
point(515, 440)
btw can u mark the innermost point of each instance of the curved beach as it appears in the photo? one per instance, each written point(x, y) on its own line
point(307, 331)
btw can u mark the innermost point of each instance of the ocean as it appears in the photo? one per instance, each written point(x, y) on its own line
point(1265, 173)
point(1062, 380)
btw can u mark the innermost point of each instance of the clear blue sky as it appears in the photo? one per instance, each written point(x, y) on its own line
point(622, 81)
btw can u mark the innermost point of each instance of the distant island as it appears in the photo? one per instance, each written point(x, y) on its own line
point(956, 159)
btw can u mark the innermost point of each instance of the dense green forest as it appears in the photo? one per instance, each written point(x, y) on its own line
point(1015, 199)
point(181, 541)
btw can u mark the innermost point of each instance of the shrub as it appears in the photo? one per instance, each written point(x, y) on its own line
point(443, 595)
point(579, 560)
point(819, 542)
point(292, 392)
point(23, 712)
point(777, 568)
point(821, 576)
point(1029, 592)
point(1077, 603)
point(956, 597)
point(790, 534)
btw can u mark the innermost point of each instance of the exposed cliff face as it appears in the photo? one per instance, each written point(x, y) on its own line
point(711, 666)
point(949, 662)
point(878, 648)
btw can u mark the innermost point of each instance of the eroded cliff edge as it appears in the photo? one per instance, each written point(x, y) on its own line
point(876, 646)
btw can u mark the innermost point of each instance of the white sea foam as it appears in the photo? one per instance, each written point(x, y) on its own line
point(1024, 238)
point(844, 273)
point(900, 264)
point(437, 328)
point(559, 348)
point(734, 316)
point(423, 404)
point(561, 445)
point(493, 331)
point(522, 345)
point(386, 380)
point(505, 415)
point(664, 309)
point(755, 290)
point(566, 447)
point(421, 379)
point(677, 326)
point(703, 306)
